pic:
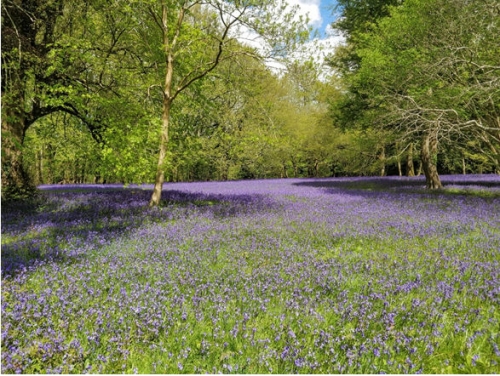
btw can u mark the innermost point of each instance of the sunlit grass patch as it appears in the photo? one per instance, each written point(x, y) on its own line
point(478, 192)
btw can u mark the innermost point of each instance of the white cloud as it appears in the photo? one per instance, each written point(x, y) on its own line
point(330, 31)
point(311, 8)
point(317, 49)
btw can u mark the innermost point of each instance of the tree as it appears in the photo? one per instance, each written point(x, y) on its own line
point(27, 30)
point(57, 56)
point(428, 72)
point(195, 37)
point(357, 17)
point(59, 149)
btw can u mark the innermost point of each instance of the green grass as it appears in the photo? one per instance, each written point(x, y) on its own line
point(263, 294)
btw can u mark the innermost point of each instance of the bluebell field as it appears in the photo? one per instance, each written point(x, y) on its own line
point(346, 275)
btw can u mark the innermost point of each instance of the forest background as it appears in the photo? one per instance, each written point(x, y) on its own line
point(108, 91)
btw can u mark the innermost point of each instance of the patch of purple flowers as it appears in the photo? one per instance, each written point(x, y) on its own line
point(296, 275)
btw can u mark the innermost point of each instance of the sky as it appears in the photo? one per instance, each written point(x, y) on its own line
point(320, 13)
point(321, 16)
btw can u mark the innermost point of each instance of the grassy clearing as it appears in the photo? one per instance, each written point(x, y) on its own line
point(303, 280)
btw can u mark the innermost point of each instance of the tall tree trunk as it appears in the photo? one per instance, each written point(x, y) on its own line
point(40, 165)
point(419, 170)
point(160, 172)
point(495, 155)
point(168, 98)
point(382, 161)
point(428, 155)
point(410, 169)
point(284, 173)
point(400, 169)
point(15, 181)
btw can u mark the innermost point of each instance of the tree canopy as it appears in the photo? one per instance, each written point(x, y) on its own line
point(427, 72)
point(153, 90)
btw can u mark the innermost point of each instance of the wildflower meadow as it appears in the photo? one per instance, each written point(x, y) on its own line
point(338, 275)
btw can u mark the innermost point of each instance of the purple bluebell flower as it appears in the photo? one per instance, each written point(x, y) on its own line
point(299, 362)
point(385, 272)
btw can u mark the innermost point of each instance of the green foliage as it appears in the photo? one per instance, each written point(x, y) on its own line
point(406, 67)
point(423, 65)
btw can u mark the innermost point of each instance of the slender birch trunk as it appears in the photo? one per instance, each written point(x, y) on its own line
point(410, 169)
point(167, 105)
point(382, 161)
point(160, 172)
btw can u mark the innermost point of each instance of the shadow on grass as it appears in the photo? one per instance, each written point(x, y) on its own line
point(68, 223)
point(484, 186)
